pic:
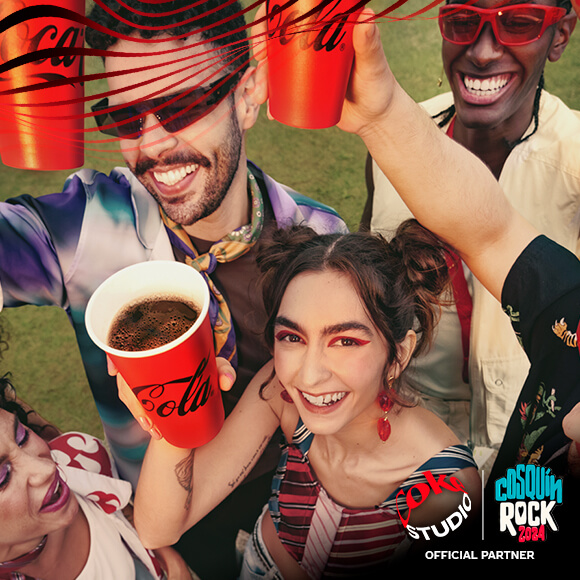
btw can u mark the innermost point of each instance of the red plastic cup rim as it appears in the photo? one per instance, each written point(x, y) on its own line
point(98, 330)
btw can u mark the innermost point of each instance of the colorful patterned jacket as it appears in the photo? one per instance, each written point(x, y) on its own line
point(57, 249)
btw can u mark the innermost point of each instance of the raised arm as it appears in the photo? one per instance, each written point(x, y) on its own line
point(448, 189)
point(177, 487)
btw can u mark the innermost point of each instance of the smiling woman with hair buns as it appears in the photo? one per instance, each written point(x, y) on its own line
point(346, 314)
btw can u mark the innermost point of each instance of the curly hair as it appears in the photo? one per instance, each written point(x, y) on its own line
point(221, 23)
point(9, 401)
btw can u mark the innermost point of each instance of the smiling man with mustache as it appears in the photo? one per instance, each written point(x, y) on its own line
point(182, 96)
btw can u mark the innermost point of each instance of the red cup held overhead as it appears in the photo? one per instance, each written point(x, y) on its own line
point(40, 128)
point(310, 56)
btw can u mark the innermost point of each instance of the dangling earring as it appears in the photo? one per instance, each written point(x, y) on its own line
point(285, 396)
point(386, 404)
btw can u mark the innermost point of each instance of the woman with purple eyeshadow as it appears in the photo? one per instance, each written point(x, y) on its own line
point(62, 508)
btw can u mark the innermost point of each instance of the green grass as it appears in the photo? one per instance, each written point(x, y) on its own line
point(327, 165)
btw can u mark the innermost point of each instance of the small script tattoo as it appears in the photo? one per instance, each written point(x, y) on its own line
point(249, 464)
point(184, 473)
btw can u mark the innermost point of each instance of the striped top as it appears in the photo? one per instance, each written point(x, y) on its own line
point(332, 541)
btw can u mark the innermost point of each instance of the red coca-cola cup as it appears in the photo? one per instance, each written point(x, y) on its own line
point(38, 128)
point(175, 382)
point(309, 60)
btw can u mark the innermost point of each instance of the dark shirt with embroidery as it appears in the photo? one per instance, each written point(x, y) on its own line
point(541, 295)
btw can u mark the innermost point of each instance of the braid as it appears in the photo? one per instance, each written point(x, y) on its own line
point(535, 115)
point(444, 116)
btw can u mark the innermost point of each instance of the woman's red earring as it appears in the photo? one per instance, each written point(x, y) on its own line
point(386, 404)
point(285, 396)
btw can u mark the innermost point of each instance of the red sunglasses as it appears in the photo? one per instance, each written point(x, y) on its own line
point(512, 25)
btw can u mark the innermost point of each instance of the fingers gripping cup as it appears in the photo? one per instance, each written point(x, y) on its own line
point(310, 56)
point(152, 321)
point(41, 127)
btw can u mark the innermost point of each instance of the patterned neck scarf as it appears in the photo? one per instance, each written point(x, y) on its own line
point(231, 247)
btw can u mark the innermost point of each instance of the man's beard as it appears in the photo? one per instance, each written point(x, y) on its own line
point(207, 197)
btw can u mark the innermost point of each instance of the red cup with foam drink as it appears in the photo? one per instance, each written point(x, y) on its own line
point(310, 57)
point(40, 127)
point(152, 321)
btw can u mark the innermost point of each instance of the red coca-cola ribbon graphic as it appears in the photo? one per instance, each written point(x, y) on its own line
point(35, 75)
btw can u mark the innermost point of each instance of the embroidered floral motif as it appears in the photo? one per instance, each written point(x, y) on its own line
point(524, 411)
point(525, 457)
point(514, 317)
point(530, 413)
point(560, 329)
point(549, 404)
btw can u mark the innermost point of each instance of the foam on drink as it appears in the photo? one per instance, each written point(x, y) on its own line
point(151, 322)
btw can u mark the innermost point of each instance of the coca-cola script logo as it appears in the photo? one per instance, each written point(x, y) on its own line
point(322, 30)
point(52, 35)
point(157, 398)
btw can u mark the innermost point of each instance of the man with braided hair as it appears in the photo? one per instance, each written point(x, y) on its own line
point(530, 139)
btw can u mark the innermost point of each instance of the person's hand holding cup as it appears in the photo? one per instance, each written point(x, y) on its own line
point(151, 319)
point(371, 85)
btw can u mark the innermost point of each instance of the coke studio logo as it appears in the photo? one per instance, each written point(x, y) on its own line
point(196, 394)
point(419, 492)
point(321, 30)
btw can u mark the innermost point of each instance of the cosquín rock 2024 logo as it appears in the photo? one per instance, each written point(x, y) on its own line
point(527, 495)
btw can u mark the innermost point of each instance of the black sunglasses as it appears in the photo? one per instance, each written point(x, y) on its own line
point(175, 112)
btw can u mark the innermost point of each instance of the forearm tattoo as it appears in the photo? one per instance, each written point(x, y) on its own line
point(247, 467)
point(184, 474)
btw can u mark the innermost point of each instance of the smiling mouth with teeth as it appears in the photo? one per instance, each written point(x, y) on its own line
point(487, 86)
point(323, 400)
point(55, 495)
point(174, 176)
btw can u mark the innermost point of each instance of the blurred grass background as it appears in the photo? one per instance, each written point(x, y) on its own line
point(327, 165)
